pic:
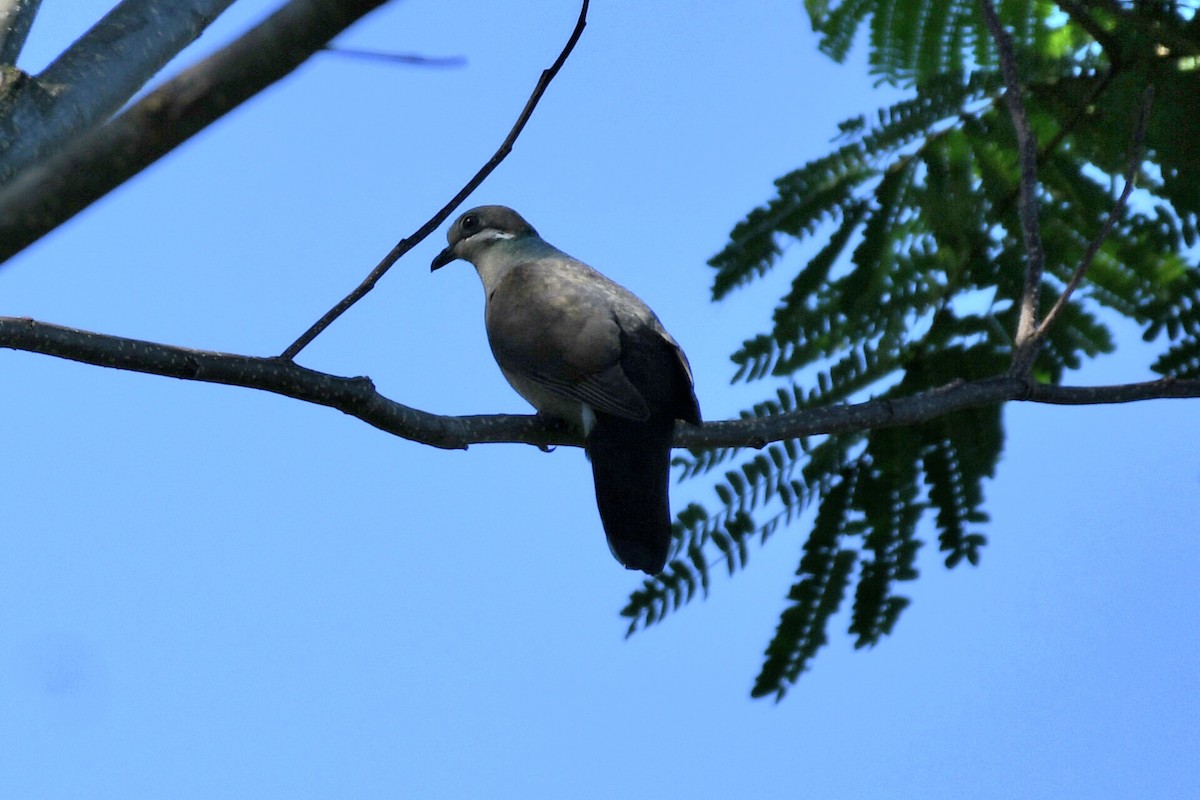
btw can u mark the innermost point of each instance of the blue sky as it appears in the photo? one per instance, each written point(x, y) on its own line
point(211, 592)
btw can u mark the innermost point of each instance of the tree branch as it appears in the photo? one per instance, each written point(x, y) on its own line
point(98, 74)
point(354, 396)
point(50, 192)
point(16, 18)
point(1135, 161)
point(408, 243)
point(1026, 343)
point(413, 59)
point(359, 398)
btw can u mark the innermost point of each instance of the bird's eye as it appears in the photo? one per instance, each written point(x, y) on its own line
point(470, 222)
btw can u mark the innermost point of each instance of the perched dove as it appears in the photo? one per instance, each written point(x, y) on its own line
point(581, 348)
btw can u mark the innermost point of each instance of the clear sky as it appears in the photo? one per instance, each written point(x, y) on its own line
point(211, 592)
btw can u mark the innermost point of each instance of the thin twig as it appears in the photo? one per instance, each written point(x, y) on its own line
point(408, 243)
point(1025, 346)
point(1135, 161)
point(1002, 206)
point(358, 397)
point(397, 58)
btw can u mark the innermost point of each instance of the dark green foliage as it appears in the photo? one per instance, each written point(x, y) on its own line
point(914, 284)
point(912, 41)
point(824, 574)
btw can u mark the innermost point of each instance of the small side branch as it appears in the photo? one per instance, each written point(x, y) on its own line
point(408, 243)
point(1025, 347)
point(1135, 161)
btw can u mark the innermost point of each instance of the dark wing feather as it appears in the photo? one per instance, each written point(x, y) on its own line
point(631, 459)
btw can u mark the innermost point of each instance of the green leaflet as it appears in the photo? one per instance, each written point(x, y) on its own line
point(915, 285)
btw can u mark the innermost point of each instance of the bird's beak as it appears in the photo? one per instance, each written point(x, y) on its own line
point(443, 258)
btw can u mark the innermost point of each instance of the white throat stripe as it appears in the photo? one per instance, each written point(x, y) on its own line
point(490, 235)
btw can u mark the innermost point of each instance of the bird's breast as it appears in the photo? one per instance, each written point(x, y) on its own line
point(548, 402)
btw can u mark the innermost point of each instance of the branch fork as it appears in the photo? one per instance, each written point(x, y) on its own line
point(1030, 331)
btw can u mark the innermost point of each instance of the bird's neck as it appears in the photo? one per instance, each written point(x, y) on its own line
point(504, 255)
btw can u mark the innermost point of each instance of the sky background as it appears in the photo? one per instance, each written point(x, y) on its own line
point(211, 592)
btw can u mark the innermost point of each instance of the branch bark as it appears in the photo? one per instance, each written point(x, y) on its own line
point(98, 74)
point(53, 190)
point(359, 398)
point(1135, 161)
point(16, 18)
point(1026, 342)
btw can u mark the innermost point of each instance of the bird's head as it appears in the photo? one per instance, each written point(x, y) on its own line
point(478, 230)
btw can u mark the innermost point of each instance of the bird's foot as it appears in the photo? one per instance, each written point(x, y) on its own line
point(552, 423)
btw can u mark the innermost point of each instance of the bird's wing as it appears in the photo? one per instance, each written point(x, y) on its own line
point(561, 326)
point(683, 393)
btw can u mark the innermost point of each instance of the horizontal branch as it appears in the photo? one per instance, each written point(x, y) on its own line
point(359, 398)
point(354, 396)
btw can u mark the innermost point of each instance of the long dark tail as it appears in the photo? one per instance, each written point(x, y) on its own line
point(631, 464)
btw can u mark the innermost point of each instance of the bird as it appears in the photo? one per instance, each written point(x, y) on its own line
point(582, 349)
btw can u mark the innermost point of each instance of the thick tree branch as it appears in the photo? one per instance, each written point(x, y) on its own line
point(50, 192)
point(358, 397)
point(16, 18)
point(98, 74)
point(1035, 257)
point(408, 243)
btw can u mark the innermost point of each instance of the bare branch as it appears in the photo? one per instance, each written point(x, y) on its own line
point(1025, 348)
point(1161, 389)
point(358, 397)
point(354, 396)
point(408, 243)
point(397, 58)
point(1135, 161)
point(96, 75)
point(50, 192)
